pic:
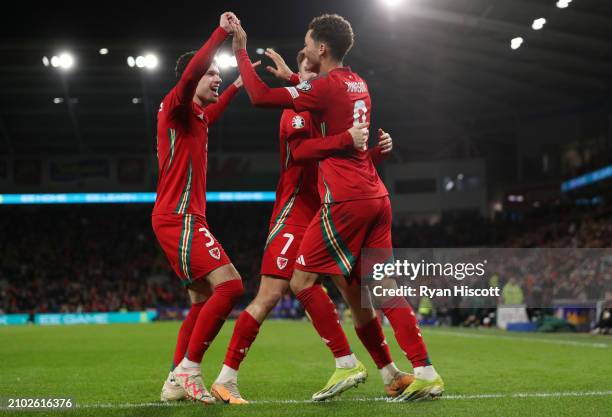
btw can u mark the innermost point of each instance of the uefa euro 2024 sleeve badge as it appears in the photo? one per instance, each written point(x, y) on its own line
point(297, 122)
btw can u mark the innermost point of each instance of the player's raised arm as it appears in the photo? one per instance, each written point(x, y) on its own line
point(381, 151)
point(197, 67)
point(214, 111)
point(259, 93)
point(303, 149)
point(281, 70)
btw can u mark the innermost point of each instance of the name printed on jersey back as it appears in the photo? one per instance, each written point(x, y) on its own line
point(356, 87)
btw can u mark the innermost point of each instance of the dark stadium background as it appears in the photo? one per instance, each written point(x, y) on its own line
point(444, 81)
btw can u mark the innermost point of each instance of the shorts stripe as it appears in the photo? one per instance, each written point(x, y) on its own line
point(185, 246)
point(336, 247)
point(273, 233)
point(327, 198)
point(279, 222)
point(186, 195)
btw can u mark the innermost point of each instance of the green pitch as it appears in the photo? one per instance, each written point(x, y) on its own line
point(118, 370)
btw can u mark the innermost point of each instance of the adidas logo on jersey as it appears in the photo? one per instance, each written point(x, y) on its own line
point(300, 260)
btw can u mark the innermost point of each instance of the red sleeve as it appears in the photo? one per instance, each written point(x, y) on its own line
point(294, 79)
point(214, 111)
point(303, 148)
point(260, 94)
point(197, 67)
point(376, 155)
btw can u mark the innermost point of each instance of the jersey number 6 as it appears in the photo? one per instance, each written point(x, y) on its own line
point(360, 112)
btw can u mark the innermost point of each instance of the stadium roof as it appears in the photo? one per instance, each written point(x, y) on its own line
point(441, 72)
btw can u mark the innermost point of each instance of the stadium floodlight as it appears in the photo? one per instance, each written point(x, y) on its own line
point(151, 61)
point(225, 61)
point(562, 4)
point(516, 43)
point(46, 61)
point(66, 60)
point(392, 3)
point(103, 51)
point(140, 61)
point(58, 100)
point(538, 23)
point(131, 61)
point(136, 100)
point(449, 184)
point(260, 51)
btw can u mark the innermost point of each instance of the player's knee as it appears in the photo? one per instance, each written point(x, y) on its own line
point(302, 280)
point(268, 299)
point(232, 289)
point(297, 286)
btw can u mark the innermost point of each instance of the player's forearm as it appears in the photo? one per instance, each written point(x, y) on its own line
point(259, 93)
point(214, 111)
point(198, 66)
point(320, 148)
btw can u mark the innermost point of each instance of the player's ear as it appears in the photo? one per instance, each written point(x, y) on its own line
point(322, 49)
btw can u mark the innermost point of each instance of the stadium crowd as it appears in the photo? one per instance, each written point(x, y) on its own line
point(105, 258)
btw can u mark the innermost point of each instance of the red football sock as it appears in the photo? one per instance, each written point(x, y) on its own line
point(325, 319)
point(407, 332)
point(185, 333)
point(245, 332)
point(372, 337)
point(212, 316)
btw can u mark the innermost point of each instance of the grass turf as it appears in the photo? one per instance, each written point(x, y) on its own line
point(118, 370)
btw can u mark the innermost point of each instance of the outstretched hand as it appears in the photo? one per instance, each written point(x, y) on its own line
point(238, 82)
point(282, 70)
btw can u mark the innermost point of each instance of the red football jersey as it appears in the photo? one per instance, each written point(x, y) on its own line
point(297, 198)
point(182, 137)
point(337, 101)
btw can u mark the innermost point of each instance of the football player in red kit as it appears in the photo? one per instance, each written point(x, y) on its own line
point(179, 215)
point(355, 211)
point(297, 201)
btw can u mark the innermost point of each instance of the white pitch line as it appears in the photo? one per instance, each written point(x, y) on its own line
point(361, 399)
point(522, 339)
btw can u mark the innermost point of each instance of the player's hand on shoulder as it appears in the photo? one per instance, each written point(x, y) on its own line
point(282, 70)
point(240, 38)
point(238, 82)
point(384, 141)
point(360, 134)
point(229, 21)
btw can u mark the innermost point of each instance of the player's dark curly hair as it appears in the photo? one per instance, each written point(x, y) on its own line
point(182, 62)
point(335, 31)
